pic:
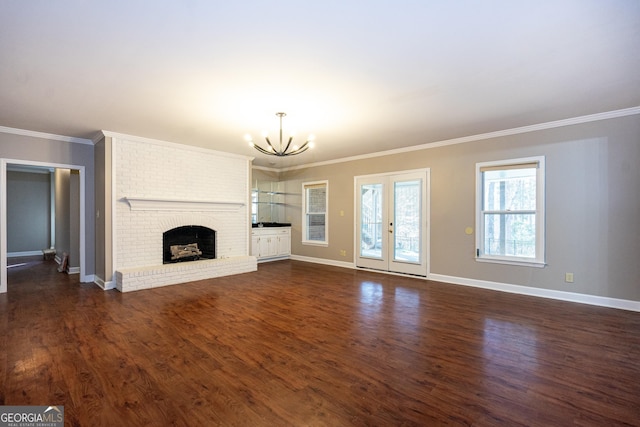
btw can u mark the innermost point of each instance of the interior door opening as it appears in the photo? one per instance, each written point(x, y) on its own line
point(77, 214)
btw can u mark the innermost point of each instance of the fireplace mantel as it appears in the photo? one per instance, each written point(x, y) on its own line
point(158, 204)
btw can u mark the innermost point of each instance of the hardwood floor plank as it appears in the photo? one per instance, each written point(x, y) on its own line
point(304, 344)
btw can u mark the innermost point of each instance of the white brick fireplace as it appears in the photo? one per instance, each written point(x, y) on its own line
point(159, 186)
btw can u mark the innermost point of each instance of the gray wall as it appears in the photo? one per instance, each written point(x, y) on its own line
point(28, 148)
point(28, 211)
point(103, 214)
point(592, 198)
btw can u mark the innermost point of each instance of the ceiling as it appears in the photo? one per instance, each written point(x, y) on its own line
point(363, 76)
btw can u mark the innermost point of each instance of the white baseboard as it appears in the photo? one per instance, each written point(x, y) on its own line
point(275, 258)
point(26, 253)
point(621, 304)
point(105, 286)
point(542, 293)
point(334, 263)
point(73, 270)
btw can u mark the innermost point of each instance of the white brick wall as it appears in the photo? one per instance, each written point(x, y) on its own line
point(154, 169)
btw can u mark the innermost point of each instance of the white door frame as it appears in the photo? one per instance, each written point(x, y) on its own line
point(3, 214)
point(425, 222)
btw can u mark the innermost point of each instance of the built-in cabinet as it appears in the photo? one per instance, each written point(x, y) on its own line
point(269, 243)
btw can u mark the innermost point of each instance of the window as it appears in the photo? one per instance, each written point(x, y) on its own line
point(314, 211)
point(510, 211)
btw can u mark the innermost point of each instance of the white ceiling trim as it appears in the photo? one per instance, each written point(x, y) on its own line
point(133, 138)
point(51, 136)
point(507, 132)
point(462, 140)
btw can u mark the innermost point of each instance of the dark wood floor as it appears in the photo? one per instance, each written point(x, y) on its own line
point(307, 345)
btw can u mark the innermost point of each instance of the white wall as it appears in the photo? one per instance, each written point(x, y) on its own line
point(171, 173)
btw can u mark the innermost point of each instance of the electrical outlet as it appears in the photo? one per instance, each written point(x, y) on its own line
point(568, 277)
point(343, 252)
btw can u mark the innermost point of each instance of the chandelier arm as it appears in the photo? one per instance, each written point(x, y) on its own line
point(298, 151)
point(288, 144)
point(262, 150)
point(303, 148)
point(270, 145)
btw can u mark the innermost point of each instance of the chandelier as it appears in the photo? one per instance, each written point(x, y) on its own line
point(282, 149)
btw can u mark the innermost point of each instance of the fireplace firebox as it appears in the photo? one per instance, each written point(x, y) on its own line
point(188, 243)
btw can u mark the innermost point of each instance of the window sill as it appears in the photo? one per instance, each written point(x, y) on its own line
point(511, 261)
point(312, 243)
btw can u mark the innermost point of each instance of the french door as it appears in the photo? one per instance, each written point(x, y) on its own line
point(391, 222)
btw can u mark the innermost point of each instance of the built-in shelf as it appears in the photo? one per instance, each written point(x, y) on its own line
point(158, 204)
point(269, 201)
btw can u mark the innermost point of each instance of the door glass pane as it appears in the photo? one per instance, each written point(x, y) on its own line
point(406, 226)
point(371, 220)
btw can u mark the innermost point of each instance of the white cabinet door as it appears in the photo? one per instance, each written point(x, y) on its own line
point(255, 245)
point(272, 245)
point(263, 246)
point(271, 242)
point(284, 243)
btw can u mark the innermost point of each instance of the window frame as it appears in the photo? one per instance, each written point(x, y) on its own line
point(539, 212)
point(305, 240)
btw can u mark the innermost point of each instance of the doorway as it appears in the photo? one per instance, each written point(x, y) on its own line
point(391, 222)
point(3, 214)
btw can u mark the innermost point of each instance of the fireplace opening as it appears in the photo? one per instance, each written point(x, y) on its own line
point(188, 243)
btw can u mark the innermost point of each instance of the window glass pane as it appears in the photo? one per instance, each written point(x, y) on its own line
point(509, 190)
point(406, 230)
point(371, 220)
point(315, 227)
point(316, 199)
point(510, 235)
point(315, 209)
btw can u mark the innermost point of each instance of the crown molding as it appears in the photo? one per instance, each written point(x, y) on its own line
point(162, 143)
point(462, 140)
point(266, 168)
point(50, 136)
